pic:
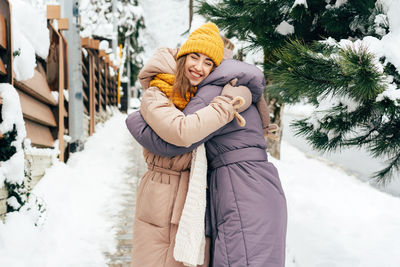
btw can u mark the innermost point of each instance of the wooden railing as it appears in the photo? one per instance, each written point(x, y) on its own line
point(44, 106)
point(99, 86)
point(43, 97)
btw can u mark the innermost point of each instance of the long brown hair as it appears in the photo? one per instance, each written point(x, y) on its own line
point(181, 84)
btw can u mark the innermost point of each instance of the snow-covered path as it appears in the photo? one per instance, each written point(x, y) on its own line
point(83, 199)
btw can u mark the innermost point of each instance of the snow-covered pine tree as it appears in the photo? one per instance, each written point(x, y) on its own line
point(268, 24)
point(354, 86)
point(6, 149)
point(98, 20)
point(11, 154)
point(130, 23)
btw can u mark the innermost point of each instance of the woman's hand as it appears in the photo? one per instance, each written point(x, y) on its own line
point(240, 99)
point(231, 90)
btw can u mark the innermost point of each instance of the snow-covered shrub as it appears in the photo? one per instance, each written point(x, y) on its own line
point(13, 173)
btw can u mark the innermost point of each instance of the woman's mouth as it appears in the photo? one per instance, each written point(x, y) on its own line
point(194, 74)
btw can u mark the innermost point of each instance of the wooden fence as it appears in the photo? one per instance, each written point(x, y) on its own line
point(5, 43)
point(99, 86)
point(44, 97)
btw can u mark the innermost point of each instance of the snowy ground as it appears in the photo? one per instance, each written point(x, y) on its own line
point(334, 218)
point(82, 198)
point(356, 161)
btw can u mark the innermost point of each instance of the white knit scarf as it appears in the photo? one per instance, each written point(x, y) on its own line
point(190, 238)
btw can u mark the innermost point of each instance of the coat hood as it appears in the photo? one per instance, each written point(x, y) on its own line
point(163, 61)
point(247, 75)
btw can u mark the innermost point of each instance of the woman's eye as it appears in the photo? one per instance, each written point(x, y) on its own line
point(193, 56)
point(209, 64)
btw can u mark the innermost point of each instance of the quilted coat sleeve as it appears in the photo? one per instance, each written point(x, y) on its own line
point(145, 135)
point(176, 128)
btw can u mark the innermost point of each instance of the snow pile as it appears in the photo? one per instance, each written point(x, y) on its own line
point(299, 3)
point(82, 198)
point(104, 45)
point(301, 109)
point(284, 28)
point(12, 169)
point(96, 18)
point(334, 218)
point(30, 36)
point(391, 41)
point(32, 23)
point(392, 93)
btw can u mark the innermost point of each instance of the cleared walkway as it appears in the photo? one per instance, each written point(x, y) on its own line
point(122, 258)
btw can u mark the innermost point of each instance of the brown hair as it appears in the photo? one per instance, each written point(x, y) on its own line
point(181, 84)
point(227, 43)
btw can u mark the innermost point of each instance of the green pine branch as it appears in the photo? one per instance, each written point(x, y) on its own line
point(309, 73)
point(304, 72)
point(6, 149)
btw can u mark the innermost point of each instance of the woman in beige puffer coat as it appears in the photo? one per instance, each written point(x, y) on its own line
point(162, 191)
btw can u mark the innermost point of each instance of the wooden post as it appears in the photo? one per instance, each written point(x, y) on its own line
point(61, 82)
point(53, 12)
point(106, 84)
point(6, 53)
point(99, 66)
point(92, 108)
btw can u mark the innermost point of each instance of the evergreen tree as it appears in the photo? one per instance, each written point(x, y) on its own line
point(357, 104)
point(267, 25)
point(355, 94)
point(99, 17)
point(130, 23)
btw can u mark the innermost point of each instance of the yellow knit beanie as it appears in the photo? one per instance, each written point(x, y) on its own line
point(205, 40)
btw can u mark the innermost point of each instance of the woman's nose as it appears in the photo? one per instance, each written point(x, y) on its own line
point(197, 66)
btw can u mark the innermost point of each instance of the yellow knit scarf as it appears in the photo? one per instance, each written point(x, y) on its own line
point(165, 82)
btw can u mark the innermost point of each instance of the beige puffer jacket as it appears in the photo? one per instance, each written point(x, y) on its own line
point(163, 188)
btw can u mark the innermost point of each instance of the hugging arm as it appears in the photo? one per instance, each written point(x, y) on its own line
point(164, 130)
point(172, 125)
point(146, 136)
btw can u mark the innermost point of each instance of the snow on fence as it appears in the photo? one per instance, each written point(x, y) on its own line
point(43, 103)
point(44, 97)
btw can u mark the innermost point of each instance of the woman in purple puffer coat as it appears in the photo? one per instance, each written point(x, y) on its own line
point(247, 213)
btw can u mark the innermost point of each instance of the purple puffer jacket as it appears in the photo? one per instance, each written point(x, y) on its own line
point(247, 213)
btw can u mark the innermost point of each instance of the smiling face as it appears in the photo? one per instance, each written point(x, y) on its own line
point(197, 67)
